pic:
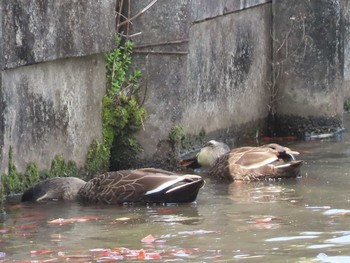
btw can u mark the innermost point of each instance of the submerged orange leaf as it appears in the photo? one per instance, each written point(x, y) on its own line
point(263, 220)
point(153, 255)
point(141, 255)
point(148, 239)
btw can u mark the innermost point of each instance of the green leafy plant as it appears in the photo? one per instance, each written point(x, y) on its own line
point(31, 175)
point(59, 168)
point(13, 180)
point(176, 134)
point(97, 160)
point(122, 114)
point(347, 105)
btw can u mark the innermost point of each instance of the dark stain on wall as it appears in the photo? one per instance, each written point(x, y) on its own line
point(38, 118)
point(242, 57)
point(322, 32)
point(24, 37)
point(2, 119)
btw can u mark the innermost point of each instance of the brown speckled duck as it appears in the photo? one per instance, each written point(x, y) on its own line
point(246, 163)
point(146, 185)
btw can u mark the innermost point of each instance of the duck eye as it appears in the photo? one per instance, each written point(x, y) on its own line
point(209, 144)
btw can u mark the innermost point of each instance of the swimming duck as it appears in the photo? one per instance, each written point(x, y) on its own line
point(146, 185)
point(246, 163)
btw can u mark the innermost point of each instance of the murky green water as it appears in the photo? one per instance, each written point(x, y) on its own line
point(301, 220)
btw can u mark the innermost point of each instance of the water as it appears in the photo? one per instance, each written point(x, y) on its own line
point(299, 220)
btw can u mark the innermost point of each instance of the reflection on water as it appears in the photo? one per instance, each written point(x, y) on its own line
point(300, 220)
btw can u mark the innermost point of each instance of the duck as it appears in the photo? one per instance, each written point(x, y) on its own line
point(247, 163)
point(144, 185)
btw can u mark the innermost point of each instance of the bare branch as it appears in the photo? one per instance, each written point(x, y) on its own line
point(139, 14)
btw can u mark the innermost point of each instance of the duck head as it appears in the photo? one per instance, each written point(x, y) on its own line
point(211, 151)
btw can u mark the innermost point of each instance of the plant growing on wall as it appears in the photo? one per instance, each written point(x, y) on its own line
point(122, 114)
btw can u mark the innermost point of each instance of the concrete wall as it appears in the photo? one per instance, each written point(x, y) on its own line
point(308, 65)
point(211, 63)
point(164, 68)
point(52, 78)
point(345, 8)
point(228, 69)
point(207, 65)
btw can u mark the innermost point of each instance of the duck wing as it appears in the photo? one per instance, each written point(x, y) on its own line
point(254, 159)
point(141, 185)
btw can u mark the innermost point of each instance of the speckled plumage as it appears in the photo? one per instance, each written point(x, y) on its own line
point(249, 163)
point(145, 185)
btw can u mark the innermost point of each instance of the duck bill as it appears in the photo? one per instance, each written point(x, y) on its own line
point(190, 163)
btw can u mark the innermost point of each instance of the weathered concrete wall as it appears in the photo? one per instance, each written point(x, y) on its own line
point(206, 65)
point(208, 82)
point(308, 65)
point(345, 8)
point(37, 31)
point(53, 107)
point(228, 70)
point(203, 9)
point(163, 66)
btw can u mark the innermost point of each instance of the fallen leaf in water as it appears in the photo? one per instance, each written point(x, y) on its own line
point(198, 232)
point(31, 215)
point(62, 221)
point(110, 258)
point(263, 220)
point(4, 230)
point(58, 221)
point(25, 227)
point(166, 210)
point(152, 255)
point(148, 239)
point(42, 251)
point(74, 257)
point(151, 239)
point(123, 219)
point(141, 255)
